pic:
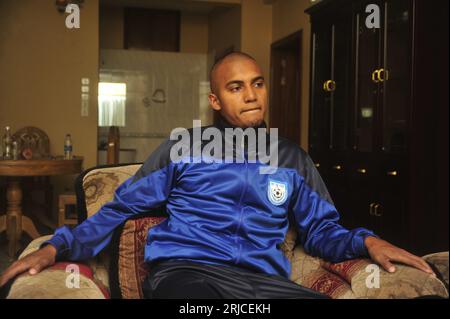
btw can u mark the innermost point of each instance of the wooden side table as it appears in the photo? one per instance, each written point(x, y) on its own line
point(14, 222)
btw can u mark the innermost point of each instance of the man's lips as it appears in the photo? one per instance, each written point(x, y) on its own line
point(250, 110)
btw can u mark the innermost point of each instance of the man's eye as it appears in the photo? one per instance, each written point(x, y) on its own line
point(259, 84)
point(235, 89)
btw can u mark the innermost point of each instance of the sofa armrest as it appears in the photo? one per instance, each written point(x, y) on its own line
point(405, 282)
point(65, 280)
point(34, 245)
point(439, 263)
point(99, 265)
point(354, 279)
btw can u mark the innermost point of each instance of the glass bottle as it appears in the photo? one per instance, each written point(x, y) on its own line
point(7, 143)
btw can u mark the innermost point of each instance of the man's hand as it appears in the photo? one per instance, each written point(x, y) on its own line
point(34, 263)
point(384, 253)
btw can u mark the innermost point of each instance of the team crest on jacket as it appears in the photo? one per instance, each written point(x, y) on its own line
point(277, 192)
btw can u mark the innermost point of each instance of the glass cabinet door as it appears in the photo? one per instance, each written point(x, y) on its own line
point(395, 77)
point(320, 98)
point(340, 107)
point(368, 61)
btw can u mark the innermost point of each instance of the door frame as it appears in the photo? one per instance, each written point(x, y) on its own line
point(295, 40)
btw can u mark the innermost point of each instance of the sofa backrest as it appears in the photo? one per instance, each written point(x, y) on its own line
point(96, 186)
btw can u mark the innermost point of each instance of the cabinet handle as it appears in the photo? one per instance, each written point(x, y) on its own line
point(337, 167)
point(392, 173)
point(361, 170)
point(383, 75)
point(376, 76)
point(329, 86)
point(375, 210)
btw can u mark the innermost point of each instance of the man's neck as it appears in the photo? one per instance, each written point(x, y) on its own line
point(222, 124)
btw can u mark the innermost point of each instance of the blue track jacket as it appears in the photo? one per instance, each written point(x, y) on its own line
point(222, 213)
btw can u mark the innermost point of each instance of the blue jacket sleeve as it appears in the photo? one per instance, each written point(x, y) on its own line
point(317, 221)
point(148, 189)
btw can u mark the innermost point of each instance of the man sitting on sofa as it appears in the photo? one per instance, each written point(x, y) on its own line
point(226, 220)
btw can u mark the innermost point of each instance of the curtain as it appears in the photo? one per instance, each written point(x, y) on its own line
point(111, 110)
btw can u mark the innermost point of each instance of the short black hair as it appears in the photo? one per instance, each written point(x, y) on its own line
point(223, 57)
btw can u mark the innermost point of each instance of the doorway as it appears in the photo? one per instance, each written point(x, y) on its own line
point(285, 87)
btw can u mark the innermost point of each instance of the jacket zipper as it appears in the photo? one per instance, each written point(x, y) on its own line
point(244, 190)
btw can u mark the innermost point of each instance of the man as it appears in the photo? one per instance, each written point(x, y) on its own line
point(226, 220)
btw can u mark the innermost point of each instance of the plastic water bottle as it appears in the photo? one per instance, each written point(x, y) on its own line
point(68, 147)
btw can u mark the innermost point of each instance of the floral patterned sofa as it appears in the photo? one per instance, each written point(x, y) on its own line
point(119, 270)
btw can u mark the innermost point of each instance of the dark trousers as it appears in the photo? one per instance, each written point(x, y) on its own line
point(179, 279)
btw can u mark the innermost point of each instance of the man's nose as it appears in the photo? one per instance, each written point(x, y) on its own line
point(250, 95)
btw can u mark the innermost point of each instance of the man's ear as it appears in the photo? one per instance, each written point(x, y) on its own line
point(214, 102)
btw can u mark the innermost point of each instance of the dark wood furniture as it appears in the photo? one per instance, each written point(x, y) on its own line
point(379, 117)
point(14, 222)
point(37, 140)
point(66, 216)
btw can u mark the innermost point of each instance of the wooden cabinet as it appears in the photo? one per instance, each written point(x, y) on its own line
point(331, 82)
point(366, 84)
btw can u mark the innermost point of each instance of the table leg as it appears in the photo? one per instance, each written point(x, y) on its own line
point(2, 223)
point(13, 236)
point(13, 215)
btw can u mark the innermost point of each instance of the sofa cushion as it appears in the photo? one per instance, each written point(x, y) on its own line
point(309, 272)
point(128, 269)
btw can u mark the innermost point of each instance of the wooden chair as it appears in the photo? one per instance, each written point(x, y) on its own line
point(38, 142)
point(64, 218)
point(35, 139)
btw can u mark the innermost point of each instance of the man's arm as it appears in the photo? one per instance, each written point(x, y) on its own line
point(385, 254)
point(131, 198)
point(321, 234)
point(149, 188)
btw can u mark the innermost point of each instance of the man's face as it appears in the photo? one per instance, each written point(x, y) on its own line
point(240, 93)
